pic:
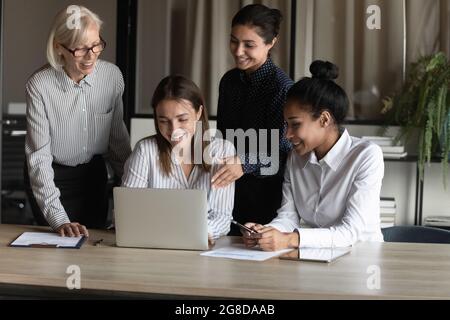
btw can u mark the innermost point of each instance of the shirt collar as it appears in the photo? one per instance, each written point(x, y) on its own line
point(90, 78)
point(337, 153)
point(66, 82)
point(261, 74)
point(334, 157)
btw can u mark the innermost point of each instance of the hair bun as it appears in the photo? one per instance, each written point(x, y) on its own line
point(324, 70)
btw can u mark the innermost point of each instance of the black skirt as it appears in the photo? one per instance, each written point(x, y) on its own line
point(83, 193)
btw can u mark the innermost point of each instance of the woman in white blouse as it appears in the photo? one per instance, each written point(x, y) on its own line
point(182, 154)
point(332, 180)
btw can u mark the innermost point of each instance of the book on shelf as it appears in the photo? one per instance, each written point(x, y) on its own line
point(437, 221)
point(381, 141)
point(386, 225)
point(437, 224)
point(387, 211)
point(387, 202)
point(387, 219)
point(393, 149)
point(390, 155)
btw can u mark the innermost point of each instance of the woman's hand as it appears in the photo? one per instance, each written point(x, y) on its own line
point(251, 239)
point(211, 241)
point(274, 240)
point(73, 229)
point(228, 173)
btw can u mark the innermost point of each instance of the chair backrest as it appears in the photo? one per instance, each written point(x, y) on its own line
point(416, 234)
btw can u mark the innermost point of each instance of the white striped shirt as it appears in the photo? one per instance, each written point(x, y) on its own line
point(143, 170)
point(68, 123)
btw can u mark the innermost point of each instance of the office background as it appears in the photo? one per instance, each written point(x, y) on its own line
point(150, 39)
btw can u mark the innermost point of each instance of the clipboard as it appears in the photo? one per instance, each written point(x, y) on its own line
point(47, 240)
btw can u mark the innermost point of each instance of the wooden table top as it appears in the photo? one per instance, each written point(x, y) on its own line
point(411, 271)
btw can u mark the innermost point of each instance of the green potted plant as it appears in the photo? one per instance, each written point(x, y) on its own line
point(423, 106)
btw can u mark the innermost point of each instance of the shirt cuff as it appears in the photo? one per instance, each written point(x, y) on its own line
point(279, 226)
point(215, 233)
point(314, 238)
point(56, 220)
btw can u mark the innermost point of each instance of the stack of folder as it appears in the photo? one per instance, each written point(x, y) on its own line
point(437, 221)
point(387, 144)
point(388, 210)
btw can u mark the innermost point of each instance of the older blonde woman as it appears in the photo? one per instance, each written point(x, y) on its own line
point(74, 121)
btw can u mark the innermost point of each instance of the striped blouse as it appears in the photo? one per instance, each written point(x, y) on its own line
point(68, 123)
point(143, 170)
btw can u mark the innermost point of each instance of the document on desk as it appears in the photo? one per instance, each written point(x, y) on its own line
point(240, 252)
point(47, 240)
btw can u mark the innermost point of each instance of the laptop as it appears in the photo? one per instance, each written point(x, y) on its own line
point(161, 218)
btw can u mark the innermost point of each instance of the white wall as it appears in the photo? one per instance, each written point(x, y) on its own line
point(399, 178)
point(153, 50)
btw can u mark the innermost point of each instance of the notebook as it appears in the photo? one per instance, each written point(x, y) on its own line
point(316, 254)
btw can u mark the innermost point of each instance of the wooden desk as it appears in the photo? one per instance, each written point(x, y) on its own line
point(407, 271)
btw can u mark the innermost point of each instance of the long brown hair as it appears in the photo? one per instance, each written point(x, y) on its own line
point(177, 87)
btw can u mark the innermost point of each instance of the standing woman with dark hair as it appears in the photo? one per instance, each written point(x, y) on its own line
point(252, 96)
point(332, 180)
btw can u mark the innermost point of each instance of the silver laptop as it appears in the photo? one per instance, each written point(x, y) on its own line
point(161, 218)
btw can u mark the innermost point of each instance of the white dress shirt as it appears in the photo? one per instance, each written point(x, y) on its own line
point(143, 170)
point(68, 123)
point(337, 197)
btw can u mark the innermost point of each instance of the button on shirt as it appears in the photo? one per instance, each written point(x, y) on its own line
point(338, 196)
point(68, 123)
point(255, 102)
point(143, 170)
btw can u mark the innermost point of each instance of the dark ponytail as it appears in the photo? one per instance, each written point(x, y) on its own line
point(320, 92)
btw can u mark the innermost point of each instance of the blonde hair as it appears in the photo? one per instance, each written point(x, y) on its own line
point(65, 32)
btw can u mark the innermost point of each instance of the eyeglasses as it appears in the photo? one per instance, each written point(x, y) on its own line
point(83, 51)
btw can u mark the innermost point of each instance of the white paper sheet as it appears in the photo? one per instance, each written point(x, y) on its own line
point(240, 252)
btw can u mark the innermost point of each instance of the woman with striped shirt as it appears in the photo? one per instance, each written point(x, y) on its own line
point(74, 119)
point(182, 154)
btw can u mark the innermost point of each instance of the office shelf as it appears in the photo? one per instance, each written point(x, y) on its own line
point(418, 213)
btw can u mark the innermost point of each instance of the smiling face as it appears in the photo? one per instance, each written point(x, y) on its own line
point(79, 67)
point(177, 121)
point(304, 132)
point(248, 49)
